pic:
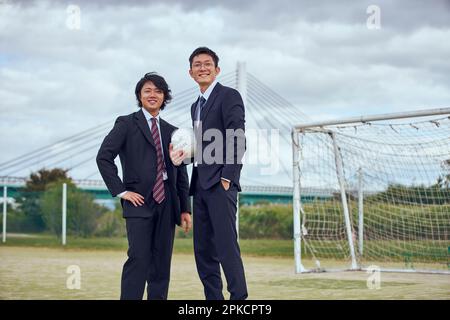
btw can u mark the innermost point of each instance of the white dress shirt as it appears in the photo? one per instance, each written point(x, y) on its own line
point(205, 95)
point(149, 117)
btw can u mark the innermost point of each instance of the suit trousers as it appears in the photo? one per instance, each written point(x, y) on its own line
point(215, 241)
point(150, 244)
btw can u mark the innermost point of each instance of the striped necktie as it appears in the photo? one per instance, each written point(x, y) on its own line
point(200, 108)
point(158, 189)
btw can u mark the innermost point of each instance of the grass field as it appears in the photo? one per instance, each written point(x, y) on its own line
point(282, 248)
point(39, 272)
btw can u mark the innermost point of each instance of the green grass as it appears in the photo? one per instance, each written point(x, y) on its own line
point(41, 273)
point(51, 241)
point(267, 247)
point(331, 284)
point(430, 251)
point(181, 245)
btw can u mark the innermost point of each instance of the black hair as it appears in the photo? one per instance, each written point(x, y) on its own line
point(204, 50)
point(159, 82)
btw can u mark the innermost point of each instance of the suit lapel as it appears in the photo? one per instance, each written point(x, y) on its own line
point(210, 101)
point(165, 133)
point(193, 107)
point(143, 125)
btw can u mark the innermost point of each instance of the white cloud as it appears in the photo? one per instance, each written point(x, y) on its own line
point(56, 82)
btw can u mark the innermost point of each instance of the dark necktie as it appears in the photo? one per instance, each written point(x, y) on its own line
point(200, 107)
point(158, 189)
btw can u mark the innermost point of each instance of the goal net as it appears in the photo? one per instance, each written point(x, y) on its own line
point(374, 192)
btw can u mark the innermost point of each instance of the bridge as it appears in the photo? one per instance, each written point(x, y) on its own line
point(265, 109)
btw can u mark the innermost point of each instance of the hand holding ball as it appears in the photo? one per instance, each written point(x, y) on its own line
point(182, 146)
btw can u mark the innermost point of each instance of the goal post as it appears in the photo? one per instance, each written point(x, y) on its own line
point(373, 190)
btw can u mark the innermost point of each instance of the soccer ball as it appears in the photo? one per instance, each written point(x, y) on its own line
point(183, 139)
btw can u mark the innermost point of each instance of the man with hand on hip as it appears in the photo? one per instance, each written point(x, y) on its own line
point(154, 192)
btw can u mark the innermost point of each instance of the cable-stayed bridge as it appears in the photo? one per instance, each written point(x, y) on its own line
point(265, 110)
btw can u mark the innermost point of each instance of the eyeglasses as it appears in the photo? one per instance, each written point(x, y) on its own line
point(198, 65)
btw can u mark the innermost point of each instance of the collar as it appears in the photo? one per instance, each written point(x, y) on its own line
point(208, 91)
point(148, 116)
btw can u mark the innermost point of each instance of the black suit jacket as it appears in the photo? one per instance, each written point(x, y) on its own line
point(223, 110)
point(132, 140)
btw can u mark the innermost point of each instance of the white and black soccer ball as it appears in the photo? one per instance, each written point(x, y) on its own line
point(184, 139)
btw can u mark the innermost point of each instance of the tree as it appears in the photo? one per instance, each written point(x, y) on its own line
point(82, 211)
point(30, 196)
point(443, 181)
point(446, 179)
point(112, 223)
point(40, 180)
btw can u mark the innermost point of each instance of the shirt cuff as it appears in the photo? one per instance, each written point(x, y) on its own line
point(225, 179)
point(120, 195)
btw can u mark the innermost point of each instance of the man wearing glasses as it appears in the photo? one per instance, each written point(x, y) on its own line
point(219, 112)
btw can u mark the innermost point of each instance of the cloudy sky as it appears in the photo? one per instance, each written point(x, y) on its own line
point(57, 80)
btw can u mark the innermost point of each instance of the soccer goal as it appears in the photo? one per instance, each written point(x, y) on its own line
point(373, 191)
